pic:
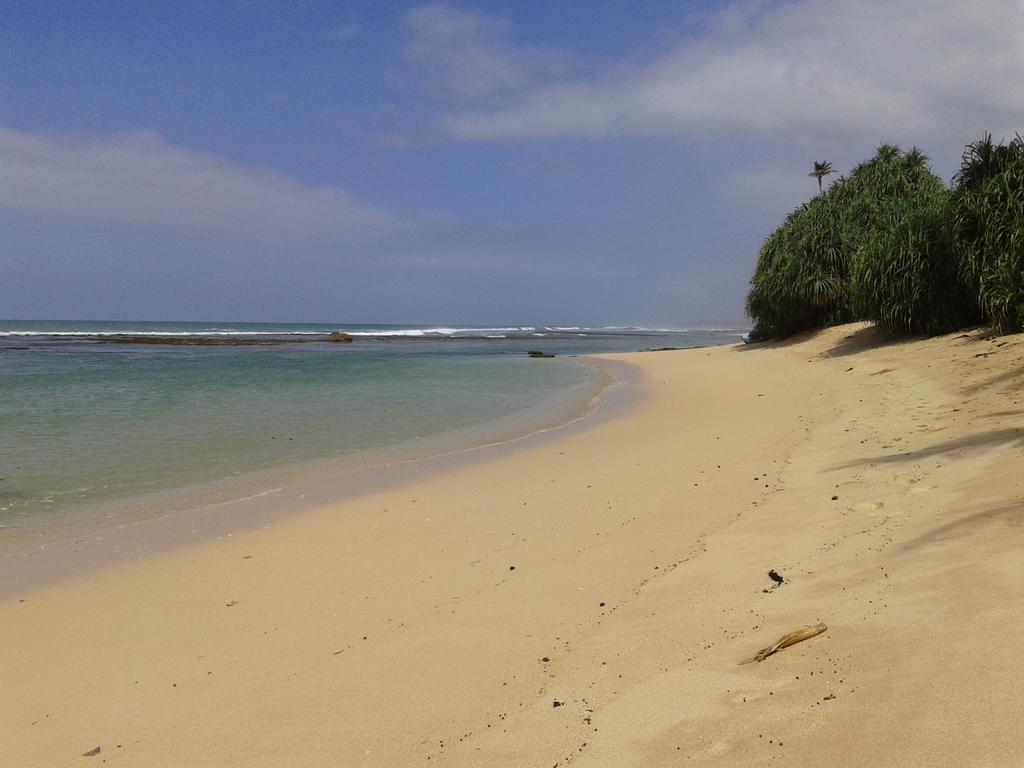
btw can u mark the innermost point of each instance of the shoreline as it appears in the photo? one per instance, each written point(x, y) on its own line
point(587, 600)
point(191, 515)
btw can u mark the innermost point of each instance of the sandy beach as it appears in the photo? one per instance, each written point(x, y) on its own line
point(585, 601)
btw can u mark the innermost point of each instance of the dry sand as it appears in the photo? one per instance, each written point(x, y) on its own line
point(586, 601)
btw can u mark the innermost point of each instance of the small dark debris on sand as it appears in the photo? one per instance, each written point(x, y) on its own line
point(91, 752)
point(557, 703)
point(775, 576)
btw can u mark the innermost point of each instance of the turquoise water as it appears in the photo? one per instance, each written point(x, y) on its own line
point(86, 418)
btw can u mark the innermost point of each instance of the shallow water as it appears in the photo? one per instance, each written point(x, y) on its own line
point(85, 420)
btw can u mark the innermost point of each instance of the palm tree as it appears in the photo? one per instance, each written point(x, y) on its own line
point(821, 170)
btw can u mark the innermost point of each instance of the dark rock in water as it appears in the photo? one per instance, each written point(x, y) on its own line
point(538, 353)
point(338, 337)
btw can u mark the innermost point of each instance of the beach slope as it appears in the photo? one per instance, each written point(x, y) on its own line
point(586, 601)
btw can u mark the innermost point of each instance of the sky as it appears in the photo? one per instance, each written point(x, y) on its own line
point(575, 162)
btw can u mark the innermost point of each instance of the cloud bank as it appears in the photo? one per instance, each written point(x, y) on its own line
point(468, 58)
point(140, 180)
point(802, 73)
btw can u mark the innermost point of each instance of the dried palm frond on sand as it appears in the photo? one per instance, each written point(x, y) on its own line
point(787, 640)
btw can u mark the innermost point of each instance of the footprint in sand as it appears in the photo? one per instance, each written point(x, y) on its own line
point(869, 506)
point(719, 748)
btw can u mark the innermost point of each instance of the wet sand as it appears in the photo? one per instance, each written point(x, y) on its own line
point(586, 600)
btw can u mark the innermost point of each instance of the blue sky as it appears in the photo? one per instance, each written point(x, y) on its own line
point(553, 162)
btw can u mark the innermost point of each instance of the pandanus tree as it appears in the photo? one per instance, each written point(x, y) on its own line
point(873, 246)
point(903, 274)
point(988, 228)
point(821, 170)
point(801, 277)
point(890, 243)
point(983, 159)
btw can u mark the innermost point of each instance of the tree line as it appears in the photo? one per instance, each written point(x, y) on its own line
point(892, 244)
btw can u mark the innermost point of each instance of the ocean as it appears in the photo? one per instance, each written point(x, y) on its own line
point(120, 420)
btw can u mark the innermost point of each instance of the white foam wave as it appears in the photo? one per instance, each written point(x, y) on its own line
point(439, 331)
point(442, 331)
point(161, 334)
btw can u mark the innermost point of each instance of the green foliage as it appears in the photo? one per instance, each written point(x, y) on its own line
point(891, 244)
point(988, 232)
point(903, 273)
point(984, 159)
point(835, 258)
point(905, 278)
point(801, 277)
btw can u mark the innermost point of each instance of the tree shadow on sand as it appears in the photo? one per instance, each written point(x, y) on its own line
point(757, 346)
point(1011, 437)
point(1001, 414)
point(1014, 378)
point(868, 337)
point(1010, 514)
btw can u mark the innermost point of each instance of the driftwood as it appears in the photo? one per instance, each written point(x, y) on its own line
point(787, 640)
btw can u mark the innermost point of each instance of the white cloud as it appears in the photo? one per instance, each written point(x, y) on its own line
point(140, 180)
point(805, 73)
point(465, 52)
